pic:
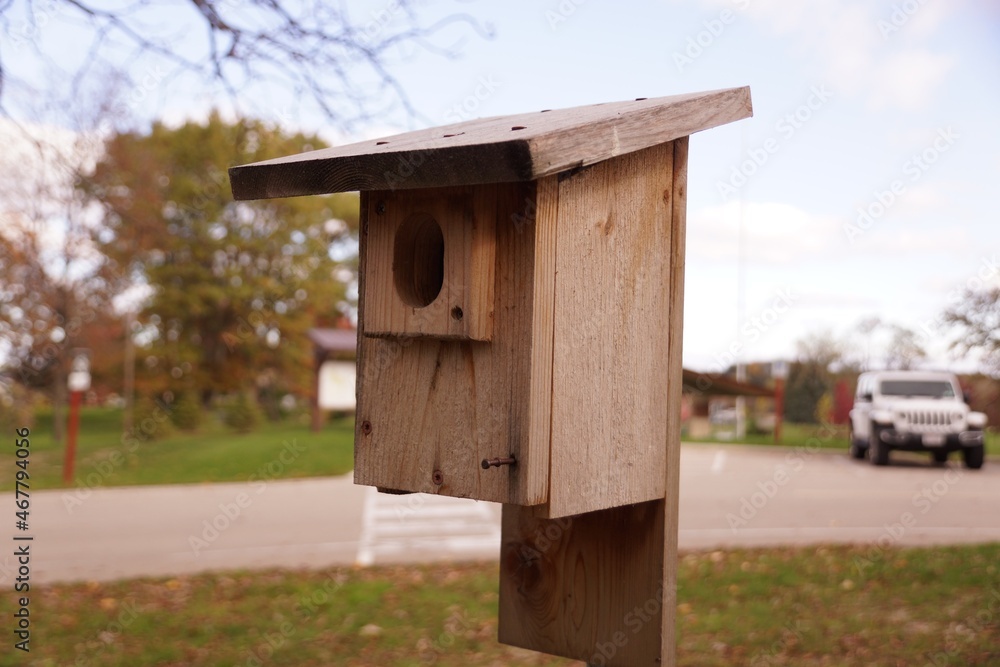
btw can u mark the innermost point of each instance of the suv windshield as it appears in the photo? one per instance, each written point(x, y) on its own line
point(928, 388)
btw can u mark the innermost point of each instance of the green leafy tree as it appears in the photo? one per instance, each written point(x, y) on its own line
point(233, 286)
point(807, 384)
point(809, 378)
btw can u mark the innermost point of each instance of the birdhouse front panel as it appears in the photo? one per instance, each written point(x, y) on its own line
point(438, 399)
point(430, 259)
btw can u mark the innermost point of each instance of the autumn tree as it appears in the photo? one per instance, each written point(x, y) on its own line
point(55, 284)
point(233, 286)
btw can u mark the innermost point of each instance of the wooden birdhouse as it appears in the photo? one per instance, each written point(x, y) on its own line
point(520, 319)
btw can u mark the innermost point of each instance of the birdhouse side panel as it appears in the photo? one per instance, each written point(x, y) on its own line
point(612, 333)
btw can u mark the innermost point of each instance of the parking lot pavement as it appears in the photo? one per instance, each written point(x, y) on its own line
point(730, 496)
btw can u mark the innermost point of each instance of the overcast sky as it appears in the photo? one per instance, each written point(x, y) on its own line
point(865, 183)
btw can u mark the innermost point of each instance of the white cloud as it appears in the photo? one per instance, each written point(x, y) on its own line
point(893, 239)
point(773, 232)
point(921, 200)
point(853, 55)
point(908, 79)
point(925, 21)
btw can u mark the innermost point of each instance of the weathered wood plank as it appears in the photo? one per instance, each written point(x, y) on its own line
point(611, 334)
point(675, 288)
point(519, 147)
point(546, 211)
point(442, 406)
point(586, 587)
point(453, 228)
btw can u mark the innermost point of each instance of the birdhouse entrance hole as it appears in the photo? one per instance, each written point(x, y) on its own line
point(418, 260)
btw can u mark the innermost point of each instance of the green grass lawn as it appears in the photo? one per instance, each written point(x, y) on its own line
point(214, 453)
point(802, 606)
point(279, 450)
point(823, 436)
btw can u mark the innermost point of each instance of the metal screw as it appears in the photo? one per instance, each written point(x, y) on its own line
point(366, 427)
point(380, 208)
point(438, 478)
point(505, 461)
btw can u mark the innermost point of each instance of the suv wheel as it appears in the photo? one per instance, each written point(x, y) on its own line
point(878, 451)
point(940, 455)
point(858, 449)
point(973, 457)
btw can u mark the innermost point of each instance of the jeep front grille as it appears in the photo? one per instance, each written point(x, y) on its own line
point(926, 421)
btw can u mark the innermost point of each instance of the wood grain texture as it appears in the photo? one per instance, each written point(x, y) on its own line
point(520, 147)
point(611, 334)
point(463, 308)
point(444, 405)
point(675, 288)
point(586, 587)
point(546, 211)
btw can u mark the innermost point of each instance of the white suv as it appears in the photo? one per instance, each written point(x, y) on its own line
point(917, 411)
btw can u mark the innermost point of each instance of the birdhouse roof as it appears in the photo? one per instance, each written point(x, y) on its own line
point(521, 147)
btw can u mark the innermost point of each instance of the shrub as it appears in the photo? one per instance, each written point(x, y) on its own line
point(17, 407)
point(241, 413)
point(151, 420)
point(186, 411)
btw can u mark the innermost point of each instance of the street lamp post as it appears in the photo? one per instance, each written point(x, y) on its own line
point(77, 382)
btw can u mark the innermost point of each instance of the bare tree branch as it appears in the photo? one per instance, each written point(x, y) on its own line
point(976, 316)
point(314, 50)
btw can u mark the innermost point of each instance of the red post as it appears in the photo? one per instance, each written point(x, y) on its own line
point(74, 426)
point(779, 408)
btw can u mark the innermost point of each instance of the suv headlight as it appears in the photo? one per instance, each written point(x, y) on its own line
point(882, 416)
point(976, 420)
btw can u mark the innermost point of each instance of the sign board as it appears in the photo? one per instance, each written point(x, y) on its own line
point(336, 385)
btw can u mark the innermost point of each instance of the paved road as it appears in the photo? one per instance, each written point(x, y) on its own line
point(730, 496)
